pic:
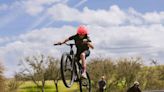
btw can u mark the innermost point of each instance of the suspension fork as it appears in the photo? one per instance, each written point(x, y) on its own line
point(77, 68)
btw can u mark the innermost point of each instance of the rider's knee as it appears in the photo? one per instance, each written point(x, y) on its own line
point(82, 55)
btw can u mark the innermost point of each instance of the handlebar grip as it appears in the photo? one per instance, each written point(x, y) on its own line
point(56, 44)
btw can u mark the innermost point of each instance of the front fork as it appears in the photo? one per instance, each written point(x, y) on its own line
point(78, 68)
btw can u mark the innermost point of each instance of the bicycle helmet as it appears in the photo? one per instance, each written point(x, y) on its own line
point(82, 30)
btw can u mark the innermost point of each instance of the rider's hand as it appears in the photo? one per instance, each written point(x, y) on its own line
point(85, 41)
point(59, 43)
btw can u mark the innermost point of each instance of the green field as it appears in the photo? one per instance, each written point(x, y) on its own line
point(49, 87)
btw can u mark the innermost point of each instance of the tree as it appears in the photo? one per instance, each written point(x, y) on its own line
point(100, 67)
point(119, 74)
point(39, 68)
point(53, 72)
point(127, 70)
point(13, 84)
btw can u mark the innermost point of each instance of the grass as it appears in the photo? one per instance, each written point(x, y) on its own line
point(29, 86)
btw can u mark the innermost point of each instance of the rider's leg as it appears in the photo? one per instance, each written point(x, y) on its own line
point(82, 56)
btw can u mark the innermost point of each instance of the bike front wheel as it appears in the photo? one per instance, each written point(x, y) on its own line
point(67, 72)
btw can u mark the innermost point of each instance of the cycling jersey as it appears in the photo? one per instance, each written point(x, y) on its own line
point(80, 45)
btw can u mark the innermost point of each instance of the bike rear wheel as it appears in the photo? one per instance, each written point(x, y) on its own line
point(85, 84)
point(67, 71)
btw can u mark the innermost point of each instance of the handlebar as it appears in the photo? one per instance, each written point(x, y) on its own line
point(56, 44)
point(68, 44)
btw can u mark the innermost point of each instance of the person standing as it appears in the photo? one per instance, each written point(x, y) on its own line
point(102, 84)
point(134, 88)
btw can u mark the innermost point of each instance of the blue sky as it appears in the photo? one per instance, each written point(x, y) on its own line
point(24, 21)
point(141, 6)
point(118, 28)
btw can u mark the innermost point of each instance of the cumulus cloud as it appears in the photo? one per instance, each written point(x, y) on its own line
point(32, 43)
point(63, 12)
point(116, 41)
point(128, 37)
point(154, 17)
point(36, 40)
point(113, 16)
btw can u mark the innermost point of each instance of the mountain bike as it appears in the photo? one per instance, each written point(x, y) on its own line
point(71, 70)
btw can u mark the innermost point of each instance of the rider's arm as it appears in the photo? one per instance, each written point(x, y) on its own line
point(62, 42)
point(65, 41)
point(90, 45)
point(70, 38)
point(89, 42)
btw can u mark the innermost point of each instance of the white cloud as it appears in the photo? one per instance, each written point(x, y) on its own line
point(154, 17)
point(113, 16)
point(116, 41)
point(134, 17)
point(36, 40)
point(33, 42)
point(63, 12)
point(127, 41)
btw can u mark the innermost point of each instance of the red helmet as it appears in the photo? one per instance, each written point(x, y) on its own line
point(82, 30)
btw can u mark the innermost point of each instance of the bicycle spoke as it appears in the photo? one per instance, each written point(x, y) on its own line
point(67, 71)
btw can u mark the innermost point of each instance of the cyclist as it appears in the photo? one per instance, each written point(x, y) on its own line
point(134, 88)
point(83, 43)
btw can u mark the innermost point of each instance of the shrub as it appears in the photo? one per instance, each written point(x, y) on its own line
point(2, 81)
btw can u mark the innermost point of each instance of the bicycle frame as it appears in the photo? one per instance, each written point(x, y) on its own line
point(76, 69)
point(77, 66)
point(75, 61)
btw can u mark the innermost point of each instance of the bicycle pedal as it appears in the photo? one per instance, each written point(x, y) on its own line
point(83, 78)
point(85, 83)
